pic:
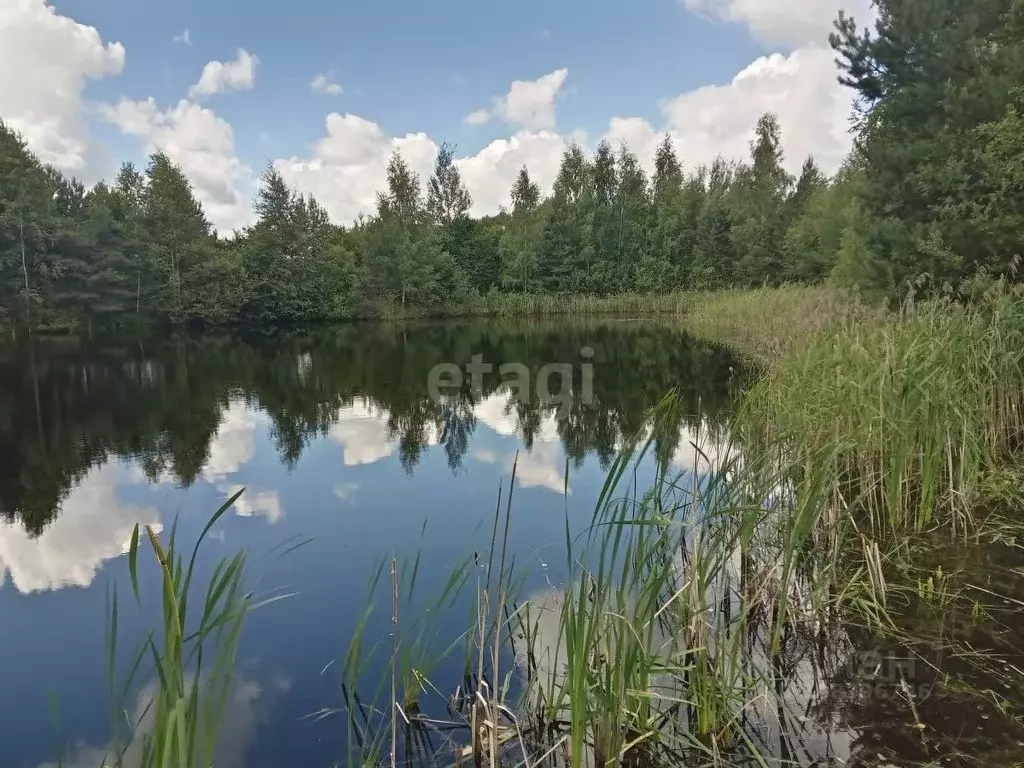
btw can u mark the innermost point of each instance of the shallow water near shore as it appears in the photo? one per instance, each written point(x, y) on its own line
point(347, 457)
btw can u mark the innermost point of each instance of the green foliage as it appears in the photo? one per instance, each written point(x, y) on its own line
point(179, 716)
point(178, 241)
point(919, 408)
point(447, 197)
point(929, 197)
point(939, 88)
point(28, 217)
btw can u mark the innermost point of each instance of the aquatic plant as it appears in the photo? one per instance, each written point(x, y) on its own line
point(192, 661)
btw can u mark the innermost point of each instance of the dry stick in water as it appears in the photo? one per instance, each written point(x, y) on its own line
point(394, 658)
point(476, 722)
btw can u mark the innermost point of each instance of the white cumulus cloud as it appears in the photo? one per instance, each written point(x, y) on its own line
point(203, 144)
point(490, 173)
point(530, 104)
point(346, 169)
point(801, 89)
point(325, 83)
point(252, 503)
point(794, 23)
point(45, 61)
point(234, 444)
point(542, 467)
point(232, 447)
point(497, 411)
point(362, 432)
point(477, 117)
point(222, 77)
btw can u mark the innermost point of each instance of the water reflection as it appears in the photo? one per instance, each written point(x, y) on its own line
point(92, 527)
point(190, 409)
point(336, 439)
point(248, 704)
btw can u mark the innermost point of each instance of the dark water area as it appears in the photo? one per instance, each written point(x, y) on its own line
point(360, 443)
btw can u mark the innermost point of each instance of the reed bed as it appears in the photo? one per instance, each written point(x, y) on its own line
point(662, 647)
point(908, 418)
point(767, 324)
point(685, 606)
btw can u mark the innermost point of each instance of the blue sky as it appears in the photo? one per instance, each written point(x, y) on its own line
point(100, 81)
point(416, 66)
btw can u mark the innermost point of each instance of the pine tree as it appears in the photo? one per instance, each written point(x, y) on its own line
point(520, 244)
point(932, 81)
point(95, 278)
point(715, 259)
point(632, 213)
point(568, 254)
point(177, 237)
point(126, 206)
point(272, 249)
point(763, 190)
point(601, 221)
point(668, 261)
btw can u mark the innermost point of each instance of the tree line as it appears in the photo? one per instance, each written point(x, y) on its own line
point(932, 187)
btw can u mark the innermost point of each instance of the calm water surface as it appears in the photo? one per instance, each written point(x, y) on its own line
point(336, 439)
point(339, 443)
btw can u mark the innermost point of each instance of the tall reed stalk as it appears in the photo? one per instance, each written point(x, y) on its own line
point(190, 658)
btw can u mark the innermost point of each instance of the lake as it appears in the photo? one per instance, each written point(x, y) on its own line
point(338, 442)
point(354, 445)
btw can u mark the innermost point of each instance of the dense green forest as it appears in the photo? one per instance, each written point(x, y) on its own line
point(932, 188)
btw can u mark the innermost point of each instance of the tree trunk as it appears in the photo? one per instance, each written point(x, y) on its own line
point(35, 390)
point(24, 268)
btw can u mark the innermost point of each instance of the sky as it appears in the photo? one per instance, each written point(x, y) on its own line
point(326, 90)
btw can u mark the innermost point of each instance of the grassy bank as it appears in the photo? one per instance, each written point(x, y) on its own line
point(534, 305)
point(703, 618)
point(764, 325)
point(769, 324)
point(907, 417)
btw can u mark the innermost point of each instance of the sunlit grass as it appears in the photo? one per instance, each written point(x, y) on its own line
point(766, 325)
point(919, 411)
